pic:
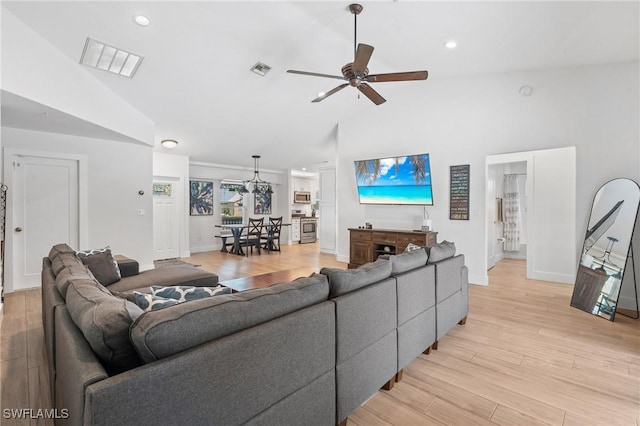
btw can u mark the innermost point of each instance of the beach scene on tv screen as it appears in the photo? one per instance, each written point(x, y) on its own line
point(396, 180)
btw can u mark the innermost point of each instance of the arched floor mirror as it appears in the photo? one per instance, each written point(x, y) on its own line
point(607, 253)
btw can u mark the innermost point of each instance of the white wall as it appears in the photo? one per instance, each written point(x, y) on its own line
point(327, 202)
point(116, 172)
point(202, 229)
point(462, 120)
point(495, 229)
point(177, 166)
point(30, 67)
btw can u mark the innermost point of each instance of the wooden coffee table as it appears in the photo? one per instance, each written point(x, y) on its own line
point(266, 280)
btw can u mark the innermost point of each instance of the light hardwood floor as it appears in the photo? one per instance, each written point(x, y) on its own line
point(524, 357)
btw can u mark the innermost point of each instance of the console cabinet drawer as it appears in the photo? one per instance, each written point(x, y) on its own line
point(360, 236)
point(384, 237)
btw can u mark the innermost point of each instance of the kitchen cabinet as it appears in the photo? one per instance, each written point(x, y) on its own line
point(295, 229)
point(365, 245)
point(302, 185)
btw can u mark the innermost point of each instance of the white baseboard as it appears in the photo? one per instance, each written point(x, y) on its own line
point(626, 302)
point(479, 279)
point(517, 257)
point(200, 249)
point(553, 277)
point(344, 259)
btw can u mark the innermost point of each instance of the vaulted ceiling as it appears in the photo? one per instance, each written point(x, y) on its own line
point(195, 81)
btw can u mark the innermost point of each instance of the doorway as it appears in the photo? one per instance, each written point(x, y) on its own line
point(506, 212)
point(45, 206)
point(166, 218)
point(550, 202)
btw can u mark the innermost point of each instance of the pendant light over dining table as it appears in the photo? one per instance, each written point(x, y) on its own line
point(259, 185)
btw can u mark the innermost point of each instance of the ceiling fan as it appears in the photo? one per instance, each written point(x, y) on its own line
point(356, 73)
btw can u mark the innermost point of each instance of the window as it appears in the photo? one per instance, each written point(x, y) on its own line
point(232, 209)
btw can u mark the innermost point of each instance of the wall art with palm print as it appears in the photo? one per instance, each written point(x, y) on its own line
point(262, 202)
point(200, 198)
point(395, 180)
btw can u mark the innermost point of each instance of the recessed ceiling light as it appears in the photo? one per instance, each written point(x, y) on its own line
point(169, 143)
point(304, 169)
point(97, 54)
point(451, 44)
point(142, 20)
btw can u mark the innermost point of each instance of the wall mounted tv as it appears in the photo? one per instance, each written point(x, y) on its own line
point(396, 180)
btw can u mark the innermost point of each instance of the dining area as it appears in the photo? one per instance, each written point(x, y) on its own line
point(259, 234)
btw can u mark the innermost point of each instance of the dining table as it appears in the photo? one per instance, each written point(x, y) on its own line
point(236, 232)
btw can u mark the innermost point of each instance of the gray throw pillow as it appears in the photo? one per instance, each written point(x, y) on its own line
point(104, 320)
point(103, 266)
point(441, 251)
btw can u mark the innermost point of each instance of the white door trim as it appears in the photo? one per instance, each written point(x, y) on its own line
point(10, 155)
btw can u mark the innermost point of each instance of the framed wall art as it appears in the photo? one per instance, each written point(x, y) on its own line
point(262, 203)
point(459, 192)
point(200, 198)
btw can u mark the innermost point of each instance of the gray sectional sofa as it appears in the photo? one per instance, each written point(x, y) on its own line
point(305, 352)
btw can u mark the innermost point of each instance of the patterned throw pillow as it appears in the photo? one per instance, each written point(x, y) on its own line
point(186, 293)
point(412, 247)
point(162, 297)
point(102, 265)
point(149, 302)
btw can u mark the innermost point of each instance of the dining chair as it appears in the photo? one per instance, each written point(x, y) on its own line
point(253, 235)
point(271, 241)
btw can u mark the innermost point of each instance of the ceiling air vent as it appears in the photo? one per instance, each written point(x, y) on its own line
point(261, 69)
point(102, 56)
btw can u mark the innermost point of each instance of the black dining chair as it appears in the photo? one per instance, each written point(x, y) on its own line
point(253, 235)
point(271, 240)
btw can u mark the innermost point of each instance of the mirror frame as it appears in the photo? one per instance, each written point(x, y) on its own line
point(587, 291)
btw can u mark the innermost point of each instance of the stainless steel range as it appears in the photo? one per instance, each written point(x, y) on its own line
point(308, 230)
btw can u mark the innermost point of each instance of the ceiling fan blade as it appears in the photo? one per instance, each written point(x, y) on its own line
point(397, 76)
point(371, 94)
point(363, 54)
point(315, 74)
point(330, 92)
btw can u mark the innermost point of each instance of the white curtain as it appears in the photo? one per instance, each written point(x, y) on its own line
point(512, 222)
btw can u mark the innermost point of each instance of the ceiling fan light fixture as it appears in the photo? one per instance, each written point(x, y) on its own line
point(141, 20)
point(356, 73)
point(169, 143)
point(451, 44)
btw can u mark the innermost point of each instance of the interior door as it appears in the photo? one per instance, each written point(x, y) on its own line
point(165, 219)
point(44, 212)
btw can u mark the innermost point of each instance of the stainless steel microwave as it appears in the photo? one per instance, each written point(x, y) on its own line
point(302, 197)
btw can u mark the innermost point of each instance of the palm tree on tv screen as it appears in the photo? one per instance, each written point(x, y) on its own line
point(368, 171)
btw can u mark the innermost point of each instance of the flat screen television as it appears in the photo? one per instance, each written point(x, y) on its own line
point(396, 180)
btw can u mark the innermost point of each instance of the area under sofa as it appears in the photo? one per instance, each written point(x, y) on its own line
point(309, 351)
